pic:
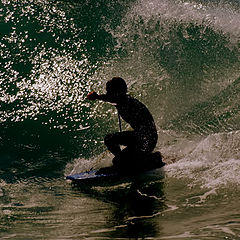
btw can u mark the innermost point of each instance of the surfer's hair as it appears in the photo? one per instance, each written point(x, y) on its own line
point(116, 86)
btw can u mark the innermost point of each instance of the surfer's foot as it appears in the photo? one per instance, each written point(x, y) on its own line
point(155, 160)
point(116, 160)
point(137, 162)
point(105, 170)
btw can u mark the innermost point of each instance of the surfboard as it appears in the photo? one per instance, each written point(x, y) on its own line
point(92, 175)
point(110, 173)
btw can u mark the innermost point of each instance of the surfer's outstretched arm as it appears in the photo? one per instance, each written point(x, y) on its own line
point(103, 97)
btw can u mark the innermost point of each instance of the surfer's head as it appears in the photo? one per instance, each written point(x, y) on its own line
point(116, 87)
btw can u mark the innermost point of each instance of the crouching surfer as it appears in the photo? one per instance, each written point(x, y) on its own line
point(141, 141)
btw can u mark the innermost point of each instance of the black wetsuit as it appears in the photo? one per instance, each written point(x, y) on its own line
point(143, 138)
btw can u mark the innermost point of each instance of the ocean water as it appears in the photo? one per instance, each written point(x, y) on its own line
point(179, 57)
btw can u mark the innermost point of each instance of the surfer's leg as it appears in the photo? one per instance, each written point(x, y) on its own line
point(123, 158)
point(114, 140)
point(112, 144)
point(146, 141)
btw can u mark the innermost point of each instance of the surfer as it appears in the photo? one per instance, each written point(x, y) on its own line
point(142, 140)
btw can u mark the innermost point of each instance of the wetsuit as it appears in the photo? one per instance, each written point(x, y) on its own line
point(143, 138)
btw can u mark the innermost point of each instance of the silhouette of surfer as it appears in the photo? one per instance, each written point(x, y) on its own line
point(142, 140)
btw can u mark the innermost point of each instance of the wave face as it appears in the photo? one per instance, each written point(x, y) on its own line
point(181, 58)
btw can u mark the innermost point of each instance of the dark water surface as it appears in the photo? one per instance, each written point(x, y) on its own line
point(181, 58)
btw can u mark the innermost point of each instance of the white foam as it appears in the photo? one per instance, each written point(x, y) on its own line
point(81, 164)
point(222, 17)
point(215, 162)
point(1, 192)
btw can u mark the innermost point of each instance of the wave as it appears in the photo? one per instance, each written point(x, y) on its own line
point(219, 113)
point(213, 163)
point(169, 50)
point(180, 58)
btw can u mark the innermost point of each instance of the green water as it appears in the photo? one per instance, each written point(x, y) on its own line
point(180, 58)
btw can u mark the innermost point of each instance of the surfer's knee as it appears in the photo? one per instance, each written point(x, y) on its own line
point(108, 140)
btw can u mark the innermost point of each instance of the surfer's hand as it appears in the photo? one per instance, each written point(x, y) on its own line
point(92, 96)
